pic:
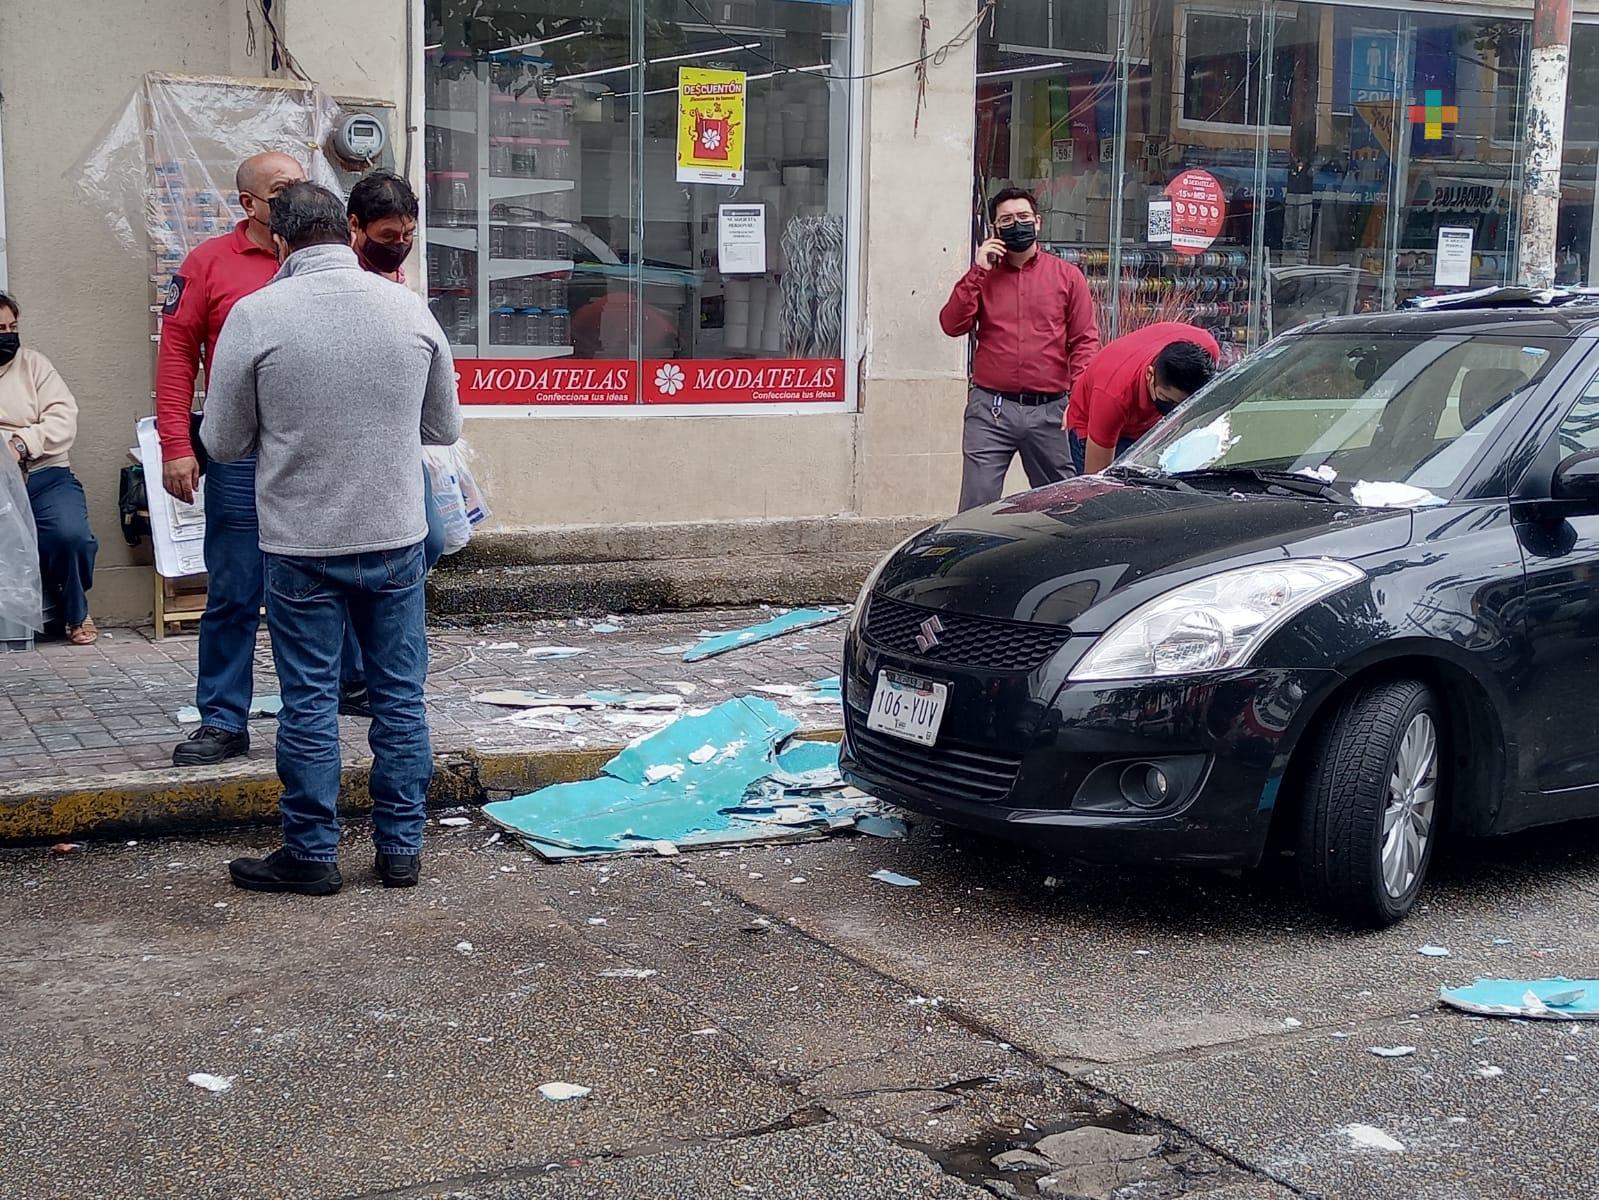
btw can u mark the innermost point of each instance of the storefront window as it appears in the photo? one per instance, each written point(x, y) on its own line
point(1280, 162)
point(620, 188)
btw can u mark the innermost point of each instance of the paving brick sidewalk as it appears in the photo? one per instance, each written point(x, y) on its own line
point(70, 713)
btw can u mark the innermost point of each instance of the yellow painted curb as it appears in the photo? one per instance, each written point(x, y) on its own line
point(149, 803)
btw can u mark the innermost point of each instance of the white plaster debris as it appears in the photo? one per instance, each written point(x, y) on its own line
point(212, 1083)
point(1392, 1051)
point(662, 771)
point(1488, 1071)
point(628, 973)
point(1431, 951)
point(464, 947)
point(558, 1091)
point(703, 755)
point(1369, 1137)
point(1292, 1023)
point(455, 822)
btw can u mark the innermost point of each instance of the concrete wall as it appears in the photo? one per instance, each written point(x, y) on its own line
point(66, 69)
point(87, 298)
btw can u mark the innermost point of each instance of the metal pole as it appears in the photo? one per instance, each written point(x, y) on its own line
point(1546, 131)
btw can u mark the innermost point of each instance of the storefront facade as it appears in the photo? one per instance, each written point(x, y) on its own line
point(1248, 165)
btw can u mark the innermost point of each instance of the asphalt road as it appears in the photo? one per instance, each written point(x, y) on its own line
point(775, 1023)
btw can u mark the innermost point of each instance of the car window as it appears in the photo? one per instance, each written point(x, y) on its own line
point(1392, 408)
point(1580, 429)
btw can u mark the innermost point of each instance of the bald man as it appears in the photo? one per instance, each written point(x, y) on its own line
point(215, 275)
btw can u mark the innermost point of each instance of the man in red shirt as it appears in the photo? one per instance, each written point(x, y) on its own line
point(1035, 332)
point(216, 274)
point(1131, 385)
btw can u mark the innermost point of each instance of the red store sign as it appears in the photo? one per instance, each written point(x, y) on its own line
point(522, 383)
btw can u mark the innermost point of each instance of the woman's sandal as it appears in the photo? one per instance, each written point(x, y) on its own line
point(85, 634)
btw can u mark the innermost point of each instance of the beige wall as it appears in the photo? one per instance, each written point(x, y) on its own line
point(87, 299)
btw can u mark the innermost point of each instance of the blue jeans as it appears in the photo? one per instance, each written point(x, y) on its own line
point(380, 596)
point(1079, 447)
point(233, 596)
point(353, 672)
point(66, 547)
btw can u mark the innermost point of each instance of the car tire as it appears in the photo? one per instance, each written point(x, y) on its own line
point(1373, 804)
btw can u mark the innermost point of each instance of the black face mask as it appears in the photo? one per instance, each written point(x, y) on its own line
point(1165, 407)
point(10, 343)
point(1020, 236)
point(386, 257)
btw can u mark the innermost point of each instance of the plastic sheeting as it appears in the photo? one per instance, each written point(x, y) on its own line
point(162, 170)
point(21, 591)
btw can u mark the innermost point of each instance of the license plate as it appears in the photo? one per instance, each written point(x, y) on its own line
point(904, 706)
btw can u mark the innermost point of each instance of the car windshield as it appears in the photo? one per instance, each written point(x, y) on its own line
point(1351, 411)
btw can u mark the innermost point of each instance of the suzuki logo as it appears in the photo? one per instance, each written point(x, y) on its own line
point(928, 637)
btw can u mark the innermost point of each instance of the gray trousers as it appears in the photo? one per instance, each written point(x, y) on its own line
point(989, 439)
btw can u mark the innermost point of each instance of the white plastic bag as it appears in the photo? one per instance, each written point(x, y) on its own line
point(21, 589)
point(445, 485)
point(477, 508)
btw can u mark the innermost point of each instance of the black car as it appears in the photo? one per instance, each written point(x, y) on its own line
point(1344, 599)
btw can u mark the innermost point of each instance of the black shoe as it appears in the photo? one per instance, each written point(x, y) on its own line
point(398, 870)
point(208, 746)
point(280, 871)
point(354, 701)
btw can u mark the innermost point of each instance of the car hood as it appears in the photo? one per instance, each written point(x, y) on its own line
point(1086, 551)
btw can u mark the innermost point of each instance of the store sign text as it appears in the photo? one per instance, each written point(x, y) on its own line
point(518, 383)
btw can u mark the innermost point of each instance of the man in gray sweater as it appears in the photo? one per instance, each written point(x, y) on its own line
point(335, 378)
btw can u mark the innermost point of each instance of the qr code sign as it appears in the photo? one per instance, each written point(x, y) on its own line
point(1160, 221)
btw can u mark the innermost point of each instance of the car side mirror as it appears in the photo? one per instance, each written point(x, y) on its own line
point(1577, 478)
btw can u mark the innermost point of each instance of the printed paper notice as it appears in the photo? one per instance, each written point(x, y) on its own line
point(710, 126)
point(177, 530)
point(1452, 267)
point(741, 239)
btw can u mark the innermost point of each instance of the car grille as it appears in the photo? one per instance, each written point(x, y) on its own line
point(963, 640)
point(953, 772)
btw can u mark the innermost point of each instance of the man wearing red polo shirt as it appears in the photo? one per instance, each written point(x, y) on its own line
point(1035, 332)
point(216, 274)
point(1131, 384)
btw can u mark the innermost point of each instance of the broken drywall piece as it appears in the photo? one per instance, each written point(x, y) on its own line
point(553, 653)
point(212, 1083)
point(605, 627)
point(463, 947)
point(1392, 1051)
point(261, 707)
point(1556, 999)
point(516, 698)
point(1369, 1137)
point(1199, 448)
point(703, 755)
point(875, 825)
point(1392, 495)
point(1431, 951)
point(895, 878)
point(721, 643)
point(629, 973)
point(559, 1091)
point(663, 771)
point(456, 822)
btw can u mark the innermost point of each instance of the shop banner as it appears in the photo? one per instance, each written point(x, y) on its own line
point(743, 380)
point(710, 126)
point(518, 383)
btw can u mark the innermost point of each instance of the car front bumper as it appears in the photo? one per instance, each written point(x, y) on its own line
point(1032, 758)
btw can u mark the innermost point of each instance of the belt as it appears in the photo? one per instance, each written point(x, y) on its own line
point(1026, 399)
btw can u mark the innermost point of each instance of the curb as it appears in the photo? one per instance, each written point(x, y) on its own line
point(160, 803)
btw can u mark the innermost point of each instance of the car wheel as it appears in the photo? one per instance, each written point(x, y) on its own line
point(1370, 816)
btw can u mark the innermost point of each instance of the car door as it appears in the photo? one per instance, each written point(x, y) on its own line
point(1556, 711)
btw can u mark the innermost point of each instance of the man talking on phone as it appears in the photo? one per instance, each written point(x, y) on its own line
point(1033, 320)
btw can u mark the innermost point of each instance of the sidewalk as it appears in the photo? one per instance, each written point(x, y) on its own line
point(85, 729)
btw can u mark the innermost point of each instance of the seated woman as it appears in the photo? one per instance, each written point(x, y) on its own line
point(39, 423)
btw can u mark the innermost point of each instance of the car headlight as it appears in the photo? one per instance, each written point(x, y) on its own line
point(1211, 624)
